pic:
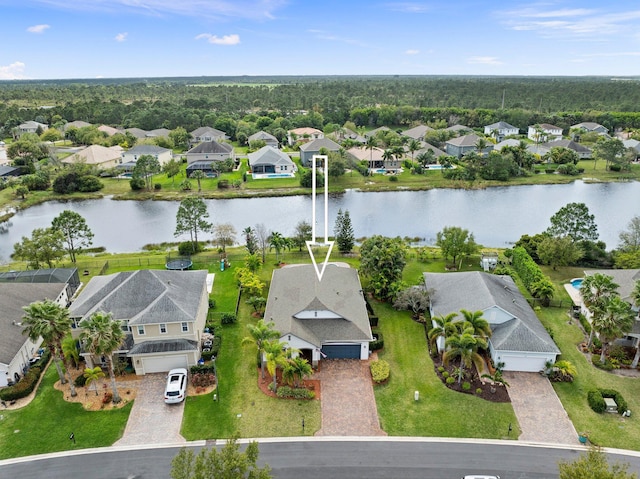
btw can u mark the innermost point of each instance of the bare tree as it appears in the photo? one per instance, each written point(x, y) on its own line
point(262, 233)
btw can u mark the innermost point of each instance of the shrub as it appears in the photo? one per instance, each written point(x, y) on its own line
point(186, 248)
point(295, 393)
point(202, 369)
point(107, 398)
point(595, 397)
point(379, 371)
point(441, 369)
point(203, 380)
point(222, 184)
point(549, 171)
point(228, 318)
point(157, 186)
point(617, 397)
point(606, 366)
point(615, 167)
point(137, 183)
point(80, 381)
point(212, 303)
point(90, 183)
point(393, 178)
point(466, 386)
point(377, 343)
point(450, 380)
point(22, 388)
point(586, 325)
point(445, 374)
point(479, 391)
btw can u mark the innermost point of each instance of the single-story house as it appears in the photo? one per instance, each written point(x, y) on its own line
point(590, 126)
point(512, 142)
point(459, 129)
point(97, 155)
point(269, 162)
point(518, 339)
point(75, 124)
point(581, 150)
point(426, 147)
point(210, 151)
point(544, 132)
point(162, 312)
point(374, 132)
point(307, 150)
point(158, 132)
point(347, 134)
point(325, 319)
point(303, 134)
point(375, 159)
point(417, 132)
point(268, 138)
point(207, 133)
point(462, 145)
point(500, 130)
point(109, 130)
point(634, 145)
point(16, 349)
point(163, 155)
point(29, 127)
point(138, 133)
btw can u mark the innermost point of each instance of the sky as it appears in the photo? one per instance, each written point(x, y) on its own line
point(60, 39)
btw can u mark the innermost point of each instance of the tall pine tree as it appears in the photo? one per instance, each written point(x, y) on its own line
point(343, 232)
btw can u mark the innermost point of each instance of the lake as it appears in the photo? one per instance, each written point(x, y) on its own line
point(496, 216)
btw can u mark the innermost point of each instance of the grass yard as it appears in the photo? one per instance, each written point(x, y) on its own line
point(440, 411)
point(46, 423)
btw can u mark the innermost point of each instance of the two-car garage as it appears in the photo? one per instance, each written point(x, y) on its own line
point(341, 351)
point(162, 364)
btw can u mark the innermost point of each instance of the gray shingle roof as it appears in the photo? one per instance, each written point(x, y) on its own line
point(147, 150)
point(624, 278)
point(318, 312)
point(163, 346)
point(501, 125)
point(268, 155)
point(465, 140)
point(315, 145)
point(204, 130)
point(143, 297)
point(572, 145)
point(477, 291)
point(262, 135)
point(211, 147)
point(13, 297)
point(417, 132)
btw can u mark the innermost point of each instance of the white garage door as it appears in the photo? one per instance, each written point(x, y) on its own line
point(164, 364)
point(522, 363)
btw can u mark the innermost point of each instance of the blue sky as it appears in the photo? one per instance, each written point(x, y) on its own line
point(52, 39)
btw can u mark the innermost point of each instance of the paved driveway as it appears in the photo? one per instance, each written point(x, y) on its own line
point(538, 409)
point(348, 404)
point(151, 420)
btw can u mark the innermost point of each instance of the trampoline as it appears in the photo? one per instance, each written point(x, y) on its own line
point(179, 264)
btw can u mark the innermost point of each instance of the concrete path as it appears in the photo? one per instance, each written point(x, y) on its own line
point(538, 409)
point(151, 420)
point(348, 404)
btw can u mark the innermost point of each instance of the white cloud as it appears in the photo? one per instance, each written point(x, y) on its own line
point(15, 71)
point(232, 39)
point(121, 37)
point(328, 36)
point(484, 61)
point(219, 9)
point(38, 28)
point(408, 7)
point(412, 52)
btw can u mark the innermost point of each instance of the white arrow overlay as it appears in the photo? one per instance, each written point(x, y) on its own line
point(314, 242)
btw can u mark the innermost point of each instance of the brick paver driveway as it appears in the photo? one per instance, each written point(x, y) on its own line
point(538, 409)
point(348, 404)
point(151, 420)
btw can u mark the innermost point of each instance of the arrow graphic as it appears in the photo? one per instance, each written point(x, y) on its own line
point(314, 242)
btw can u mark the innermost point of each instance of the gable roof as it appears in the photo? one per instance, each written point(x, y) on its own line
point(548, 127)
point(75, 124)
point(109, 130)
point(147, 150)
point(376, 131)
point(572, 145)
point(144, 296)
point(315, 145)
point(464, 140)
point(417, 132)
point(478, 291)
point(268, 155)
point(501, 125)
point(262, 135)
point(631, 143)
point(14, 297)
point(95, 155)
point(159, 132)
point(361, 153)
point(318, 311)
point(137, 132)
point(458, 128)
point(304, 130)
point(508, 142)
point(211, 147)
point(208, 130)
point(437, 152)
point(625, 278)
point(589, 126)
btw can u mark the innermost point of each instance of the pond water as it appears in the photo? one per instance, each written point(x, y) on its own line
point(496, 216)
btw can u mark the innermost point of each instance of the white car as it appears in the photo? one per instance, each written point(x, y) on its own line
point(176, 389)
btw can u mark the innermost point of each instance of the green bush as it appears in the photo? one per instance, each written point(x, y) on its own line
point(202, 369)
point(212, 303)
point(295, 393)
point(595, 397)
point(450, 380)
point(228, 318)
point(377, 343)
point(157, 186)
point(586, 325)
point(393, 178)
point(617, 397)
point(80, 381)
point(615, 167)
point(380, 371)
point(186, 248)
point(441, 369)
point(479, 391)
point(22, 388)
point(466, 386)
point(445, 374)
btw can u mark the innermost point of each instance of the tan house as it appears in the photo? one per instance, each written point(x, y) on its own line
point(96, 155)
point(163, 314)
point(303, 134)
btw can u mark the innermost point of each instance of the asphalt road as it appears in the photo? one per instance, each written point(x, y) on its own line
point(318, 459)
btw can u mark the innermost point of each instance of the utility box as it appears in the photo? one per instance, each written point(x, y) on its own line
point(611, 405)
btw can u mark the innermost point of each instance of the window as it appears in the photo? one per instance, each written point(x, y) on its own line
point(163, 328)
point(141, 330)
point(124, 325)
point(185, 327)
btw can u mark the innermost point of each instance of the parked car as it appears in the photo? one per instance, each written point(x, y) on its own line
point(176, 389)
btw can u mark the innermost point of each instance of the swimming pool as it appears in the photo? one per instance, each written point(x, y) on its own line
point(577, 282)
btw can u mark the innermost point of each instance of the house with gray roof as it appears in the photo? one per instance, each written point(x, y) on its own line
point(138, 133)
point(518, 339)
point(417, 132)
point(162, 312)
point(207, 133)
point(268, 138)
point(462, 145)
point(16, 349)
point(269, 162)
point(29, 127)
point(313, 147)
point(500, 130)
point(128, 158)
point(323, 319)
point(544, 132)
point(591, 126)
point(633, 145)
point(459, 129)
point(75, 124)
point(581, 150)
point(210, 151)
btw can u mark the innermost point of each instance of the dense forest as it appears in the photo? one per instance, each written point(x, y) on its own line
point(367, 101)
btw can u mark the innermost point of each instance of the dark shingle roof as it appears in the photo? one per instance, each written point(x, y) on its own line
point(318, 143)
point(163, 346)
point(211, 147)
point(270, 156)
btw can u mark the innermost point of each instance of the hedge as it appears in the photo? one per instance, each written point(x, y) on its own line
point(22, 388)
point(380, 371)
point(202, 369)
point(295, 393)
point(595, 397)
point(377, 343)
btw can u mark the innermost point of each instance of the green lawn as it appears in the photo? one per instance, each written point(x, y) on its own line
point(46, 423)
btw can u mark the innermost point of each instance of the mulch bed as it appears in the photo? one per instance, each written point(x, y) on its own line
point(490, 392)
point(263, 384)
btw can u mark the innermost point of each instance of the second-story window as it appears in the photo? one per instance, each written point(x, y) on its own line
point(163, 328)
point(185, 327)
point(141, 330)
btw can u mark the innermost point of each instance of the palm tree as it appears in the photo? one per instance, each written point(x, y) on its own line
point(464, 345)
point(543, 290)
point(198, 175)
point(274, 352)
point(444, 327)
point(102, 335)
point(477, 322)
point(413, 146)
point(595, 290)
point(259, 334)
point(93, 374)
point(296, 370)
point(372, 142)
point(481, 145)
point(70, 350)
point(50, 321)
point(565, 369)
point(279, 243)
point(615, 321)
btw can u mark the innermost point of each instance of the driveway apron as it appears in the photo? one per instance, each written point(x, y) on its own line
point(538, 409)
point(151, 420)
point(348, 403)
